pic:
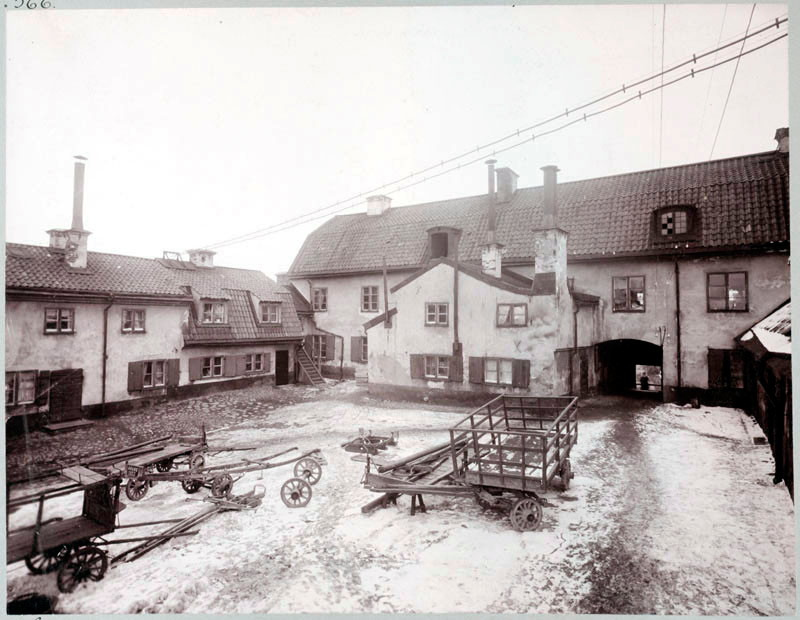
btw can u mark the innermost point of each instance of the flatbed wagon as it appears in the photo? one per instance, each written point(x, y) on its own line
point(506, 454)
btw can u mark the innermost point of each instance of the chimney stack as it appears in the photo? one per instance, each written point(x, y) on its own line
point(201, 258)
point(77, 193)
point(73, 242)
point(782, 136)
point(491, 226)
point(506, 184)
point(378, 205)
point(550, 211)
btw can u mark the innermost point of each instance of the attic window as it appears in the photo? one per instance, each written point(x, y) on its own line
point(214, 312)
point(674, 223)
point(443, 241)
point(438, 245)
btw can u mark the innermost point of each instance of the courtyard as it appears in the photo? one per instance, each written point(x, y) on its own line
point(672, 511)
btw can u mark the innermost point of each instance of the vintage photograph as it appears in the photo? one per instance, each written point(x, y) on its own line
point(398, 309)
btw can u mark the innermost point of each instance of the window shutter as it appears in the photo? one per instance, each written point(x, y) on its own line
point(230, 365)
point(268, 361)
point(456, 369)
point(173, 372)
point(476, 370)
point(355, 348)
point(135, 376)
point(715, 363)
point(42, 388)
point(330, 348)
point(241, 361)
point(195, 368)
point(520, 373)
point(417, 362)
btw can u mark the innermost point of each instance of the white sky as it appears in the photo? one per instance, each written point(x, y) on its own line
point(204, 124)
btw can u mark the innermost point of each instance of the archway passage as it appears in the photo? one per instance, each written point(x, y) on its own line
point(623, 363)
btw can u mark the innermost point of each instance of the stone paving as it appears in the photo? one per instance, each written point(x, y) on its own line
point(28, 455)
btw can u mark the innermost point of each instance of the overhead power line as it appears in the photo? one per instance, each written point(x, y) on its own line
point(711, 79)
point(360, 198)
point(661, 107)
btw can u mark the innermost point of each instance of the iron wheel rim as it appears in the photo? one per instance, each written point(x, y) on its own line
point(296, 493)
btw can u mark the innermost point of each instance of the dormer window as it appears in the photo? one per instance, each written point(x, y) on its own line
point(674, 223)
point(443, 241)
point(270, 312)
point(214, 312)
point(438, 245)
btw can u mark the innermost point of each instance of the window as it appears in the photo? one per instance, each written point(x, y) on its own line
point(498, 371)
point(319, 299)
point(436, 314)
point(214, 312)
point(254, 362)
point(20, 387)
point(133, 320)
point(319, 347)
point(727, 292)
point(628, 294)
point(439, 243)
point(674, 223)
point(59, 321)
point(512, 315)
point(212, 367)
point(369, 299)
point(154, 374)
point(725, 368)
point(437, 366)
point(270, 312)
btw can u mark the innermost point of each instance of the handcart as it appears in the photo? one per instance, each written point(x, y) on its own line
point(368, 443)
point(505, 454)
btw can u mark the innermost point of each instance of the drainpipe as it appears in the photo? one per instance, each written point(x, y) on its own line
point(105, 354)
point(574, 346)
point(678, 319)
point(456, 344)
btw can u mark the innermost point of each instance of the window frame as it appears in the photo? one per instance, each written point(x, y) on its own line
point(364, 349)
point(250, 360)
point(369, 296)
point(512, 324)
point(319, 346)
point(437, 363)
point(692, 223)
point(132, 329)
point(727, 291)
point(628, 307)
point(498, 361)
point(16, 374)
point(317, 304)
point(60, 312)
point(210, 364)
point(437, 314)
point(266, 307)
point(211, 320)
point(152, 364)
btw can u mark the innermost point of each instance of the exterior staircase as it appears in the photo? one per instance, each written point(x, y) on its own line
point(309, 369)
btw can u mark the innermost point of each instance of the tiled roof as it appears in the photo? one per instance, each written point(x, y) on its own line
point(300, 303)
point(741, 201)
point(212, 282)
point(774, 332)
point(38, 268)
point(243, 324)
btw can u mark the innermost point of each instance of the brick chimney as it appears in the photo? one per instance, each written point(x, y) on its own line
point(550, 242)
point(378, 205)
point(492, 252)
point(73, 241)
point(782, 136)
point(506, 184)
point(550, 204)
point(201, 258)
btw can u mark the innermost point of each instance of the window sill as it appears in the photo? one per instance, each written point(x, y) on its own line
point(437, 324)
point(628, 311)
point(442, 379)
point(363, 311)
point(726, 311)
point(203, 324)
point(132, 331)
point(61, 333)
point(510, 326)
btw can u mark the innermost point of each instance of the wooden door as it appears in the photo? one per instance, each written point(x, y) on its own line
point(66, 390)
point(281, 367)
point(584, 357)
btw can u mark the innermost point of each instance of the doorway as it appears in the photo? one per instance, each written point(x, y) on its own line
point(281, 367)
point(623, 364)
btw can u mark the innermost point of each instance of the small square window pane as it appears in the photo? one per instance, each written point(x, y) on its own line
point(716, 279)
point(636, 283)
point(490, 371)
point(519, 315)
point(737, 281)
point(65, 321)
point(51, 319)
point(442, 314)
point(444, 366)
point(716, 304)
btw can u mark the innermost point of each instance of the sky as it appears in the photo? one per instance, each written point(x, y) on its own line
point(201, 125)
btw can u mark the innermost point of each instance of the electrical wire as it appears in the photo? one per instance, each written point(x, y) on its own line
point(730, 88)
point(711, 79)
point(295, 221)
point(661, 107)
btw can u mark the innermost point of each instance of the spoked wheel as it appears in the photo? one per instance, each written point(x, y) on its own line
point(566, 474)
point(136, 489)
point(308, 469)
point(221, 486)
point(197, 461)
point(84, 564)
point(526, 514)
point(296, 493)
point(47, 562)
point(164, 466)
point(191, 486)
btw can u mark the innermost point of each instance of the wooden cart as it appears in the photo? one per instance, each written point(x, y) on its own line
point(505, 454)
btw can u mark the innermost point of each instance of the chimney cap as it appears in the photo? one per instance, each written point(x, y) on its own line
point(552, 167)
point(199, 250)
point(490, 162)
point(781, 132)
point(81, 157)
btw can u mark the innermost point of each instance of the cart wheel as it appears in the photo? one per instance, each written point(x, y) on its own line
point(566, 474)
point(86, 563)
point(191, 486)
point(526, 514)
point(47, 562)
point(296, 493)
point(164, 466)
point(136, 489)
point(309, 470)
point(197, 461)
point(221, 486)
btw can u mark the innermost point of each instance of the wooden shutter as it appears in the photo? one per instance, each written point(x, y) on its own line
point(241, 361)
point(230, 365)
point(135, 376)
point(42, 388)
point(355, 348)
point(268, 361)
point(456, 369)
point(195, 368)
point(173, 372)
point(520, 373)
point(330, 348)
point(417, 362)
point(716, 360)
point(476, 370)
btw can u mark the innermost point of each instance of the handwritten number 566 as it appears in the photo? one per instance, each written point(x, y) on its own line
point(44, 4)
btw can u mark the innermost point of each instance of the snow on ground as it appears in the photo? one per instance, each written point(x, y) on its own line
point(457, 557)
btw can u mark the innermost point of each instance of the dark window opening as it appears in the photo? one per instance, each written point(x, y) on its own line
point(439, 245)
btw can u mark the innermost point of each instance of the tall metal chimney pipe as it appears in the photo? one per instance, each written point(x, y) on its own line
point(550, 212)
point(492, 200)
point(77, 200)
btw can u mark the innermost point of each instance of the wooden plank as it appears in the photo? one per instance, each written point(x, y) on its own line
point(61, 427)
point(82, 475)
